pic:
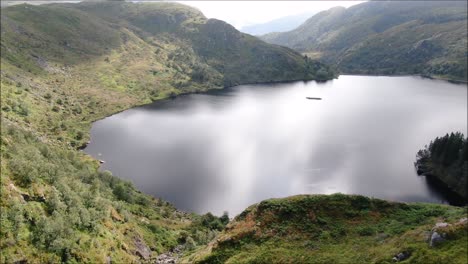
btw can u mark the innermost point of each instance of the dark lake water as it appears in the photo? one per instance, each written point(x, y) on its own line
point(226, 150)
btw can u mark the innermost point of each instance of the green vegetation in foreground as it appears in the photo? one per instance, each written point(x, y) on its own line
point(64, 66)
point(338, 229)
point(387, 37)
point(446, 159)
point(57, 207)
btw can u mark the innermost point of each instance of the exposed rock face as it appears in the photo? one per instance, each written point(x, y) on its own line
point(142, 249)
point(169, 257)
point(166, 258)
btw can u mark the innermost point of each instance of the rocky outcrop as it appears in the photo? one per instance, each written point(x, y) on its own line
point(443, 231)
point(169, 257)
point(142, 250)
point(438, 235)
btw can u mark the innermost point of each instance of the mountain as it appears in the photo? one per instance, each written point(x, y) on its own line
point(387, 37)
point(339, 229)
point(64, 66)
point(281, 24)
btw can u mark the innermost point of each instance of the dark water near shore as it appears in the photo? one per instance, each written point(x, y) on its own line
point(226, 150)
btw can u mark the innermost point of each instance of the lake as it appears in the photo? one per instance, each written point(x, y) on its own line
point(225, 150)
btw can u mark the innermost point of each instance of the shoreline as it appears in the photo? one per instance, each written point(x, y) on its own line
point(206, 91)
point(224, 89)
point(408, 75)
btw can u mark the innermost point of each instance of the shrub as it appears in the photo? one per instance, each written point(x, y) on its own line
point(79, 135)
point(366, 231)
point(122, 193)
point(22, 109)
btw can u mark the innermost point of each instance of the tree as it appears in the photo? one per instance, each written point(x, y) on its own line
point(224, 218)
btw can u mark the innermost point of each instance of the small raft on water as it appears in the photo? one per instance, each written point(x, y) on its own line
point(314, 98)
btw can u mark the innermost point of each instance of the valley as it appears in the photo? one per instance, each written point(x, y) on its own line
point(67, 67)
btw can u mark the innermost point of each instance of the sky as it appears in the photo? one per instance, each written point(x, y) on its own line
point(245, 13)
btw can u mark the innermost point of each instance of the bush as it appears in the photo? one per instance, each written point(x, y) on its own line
point(122, 192)
point(22, 109)
point(79, 135)
point(190, 243)
point(210, 221)
point(23, 171)
point(366, 231)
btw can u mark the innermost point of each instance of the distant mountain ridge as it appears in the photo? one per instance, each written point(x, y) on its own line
point(387, 37)
point(281, 24)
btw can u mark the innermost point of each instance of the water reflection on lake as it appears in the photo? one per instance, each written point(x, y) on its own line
point(226, 150)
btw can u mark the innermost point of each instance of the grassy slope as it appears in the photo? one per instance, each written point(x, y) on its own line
point(387, 38)
point(62, 67)
point(337, 229)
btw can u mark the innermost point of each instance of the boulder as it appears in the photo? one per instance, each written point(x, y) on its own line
point(401, 256)
point(436, 239)
point(141, 249)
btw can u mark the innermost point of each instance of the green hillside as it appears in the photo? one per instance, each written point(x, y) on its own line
point(339, 229)
point(387, 37)
point(64, 66)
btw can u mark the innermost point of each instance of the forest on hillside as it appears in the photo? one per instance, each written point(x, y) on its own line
point(446, 158)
